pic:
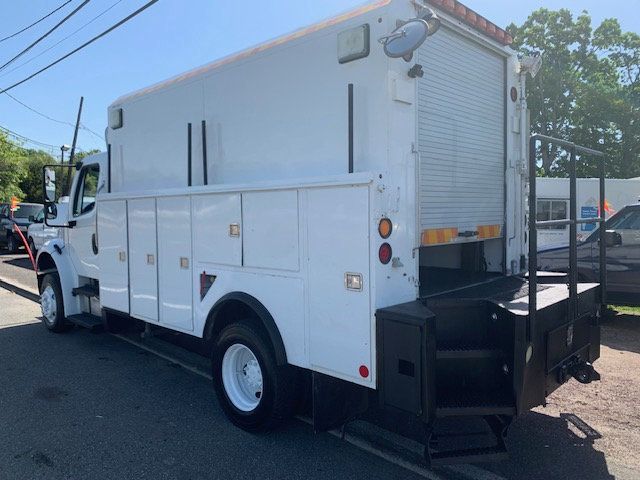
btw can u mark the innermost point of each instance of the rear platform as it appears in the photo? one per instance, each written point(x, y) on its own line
point(480, 354)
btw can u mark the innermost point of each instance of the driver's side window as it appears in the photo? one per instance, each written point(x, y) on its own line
point(85, 197)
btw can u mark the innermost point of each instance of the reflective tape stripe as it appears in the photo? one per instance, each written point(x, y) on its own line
point(489, 231)
point(438, 236)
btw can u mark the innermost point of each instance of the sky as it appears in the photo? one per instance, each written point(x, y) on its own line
point(171, 37)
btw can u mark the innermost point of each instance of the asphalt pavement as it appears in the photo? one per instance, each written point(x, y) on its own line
point(87, 406)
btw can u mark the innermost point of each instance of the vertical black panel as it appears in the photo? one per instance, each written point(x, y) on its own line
point(109, 168)
point(204, 152)
point(189, 154)
point(350, 90)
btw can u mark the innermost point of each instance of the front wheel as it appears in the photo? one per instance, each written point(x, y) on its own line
point(52, 305)
point(255, 393)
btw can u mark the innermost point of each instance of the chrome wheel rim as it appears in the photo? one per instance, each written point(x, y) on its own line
point(242, 377)
point(48, 305)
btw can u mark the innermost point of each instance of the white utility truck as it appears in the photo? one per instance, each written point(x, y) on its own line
point(341, 210)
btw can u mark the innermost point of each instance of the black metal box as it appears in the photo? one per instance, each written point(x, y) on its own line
point(406, 351)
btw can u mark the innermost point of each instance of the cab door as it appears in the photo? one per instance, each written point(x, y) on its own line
point(82, 243)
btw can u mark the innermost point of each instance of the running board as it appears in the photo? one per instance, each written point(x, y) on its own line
point(93, 323)
point(87, 290)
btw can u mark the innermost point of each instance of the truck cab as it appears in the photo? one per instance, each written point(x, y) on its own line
point(71, 258)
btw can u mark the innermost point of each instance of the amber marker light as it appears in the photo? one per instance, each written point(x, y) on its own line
point(385, 227)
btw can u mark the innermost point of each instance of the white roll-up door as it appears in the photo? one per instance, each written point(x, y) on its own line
point(461, 130)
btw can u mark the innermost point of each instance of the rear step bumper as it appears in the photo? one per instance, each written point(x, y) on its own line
point(463, 356)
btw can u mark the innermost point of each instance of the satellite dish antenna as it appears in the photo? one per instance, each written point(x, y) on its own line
point(405, 39)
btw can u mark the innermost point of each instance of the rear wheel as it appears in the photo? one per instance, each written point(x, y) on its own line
point(52, 305)
point(255, 393)
point(12, 243)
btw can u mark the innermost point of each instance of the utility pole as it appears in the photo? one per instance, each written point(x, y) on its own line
point(75, 133)
point(73, 147)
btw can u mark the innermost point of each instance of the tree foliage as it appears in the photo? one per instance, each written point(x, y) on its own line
point(21, 170)
point(587, 91)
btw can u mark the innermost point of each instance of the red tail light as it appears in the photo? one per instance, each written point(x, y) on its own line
point(384, 253)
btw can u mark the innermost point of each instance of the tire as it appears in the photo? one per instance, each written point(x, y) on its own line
point(52, 305)
point(275, 398)
point(12, 243)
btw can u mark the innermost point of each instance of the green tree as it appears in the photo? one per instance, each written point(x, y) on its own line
point(31, 183)
point(12, 169)
point(587, 91)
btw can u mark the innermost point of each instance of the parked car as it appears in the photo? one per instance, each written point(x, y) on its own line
point(24, 216)
point(623, 257)
point(39, 233)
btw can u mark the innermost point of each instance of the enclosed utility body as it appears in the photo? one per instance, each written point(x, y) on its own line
point(353, 214)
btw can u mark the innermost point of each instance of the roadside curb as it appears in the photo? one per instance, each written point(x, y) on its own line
point(21, 290)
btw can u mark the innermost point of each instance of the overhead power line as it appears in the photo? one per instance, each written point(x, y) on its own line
point(62, 122)
point(86, 44)
point(42, 37)
point(35, 23)
point(26, 62)
point(52, 149)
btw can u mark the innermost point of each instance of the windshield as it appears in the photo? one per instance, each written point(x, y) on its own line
point(26, 211)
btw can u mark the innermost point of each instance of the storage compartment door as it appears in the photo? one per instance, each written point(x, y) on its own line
point(216, 229)
point(143, 259)
point(175, 282)
point(113, 258)
point(339, 319)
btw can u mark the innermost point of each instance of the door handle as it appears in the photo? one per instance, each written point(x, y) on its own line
point(94, 244)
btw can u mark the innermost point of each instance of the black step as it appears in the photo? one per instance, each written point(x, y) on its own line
point(474, 403)
point(91, 322)
point(471, 455)
point(448, 352)
point(85, 290)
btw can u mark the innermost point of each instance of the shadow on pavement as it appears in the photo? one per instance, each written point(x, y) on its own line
point(22, 262)
point(549, 448)
point(621, 332)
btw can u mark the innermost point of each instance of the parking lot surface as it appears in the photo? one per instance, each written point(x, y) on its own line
point(82, 405)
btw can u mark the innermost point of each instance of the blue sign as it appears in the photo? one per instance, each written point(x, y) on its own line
point(588, 212)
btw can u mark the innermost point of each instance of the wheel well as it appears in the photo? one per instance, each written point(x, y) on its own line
point(45, 265)
point(238, 306)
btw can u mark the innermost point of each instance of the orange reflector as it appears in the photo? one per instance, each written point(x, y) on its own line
point(438, 236)
point(489, 231)
point(385, 227)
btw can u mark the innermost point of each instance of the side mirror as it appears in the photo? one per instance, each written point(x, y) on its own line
point(49, 185)
point(32, 219)
point(54, 177)
point(613, 238)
